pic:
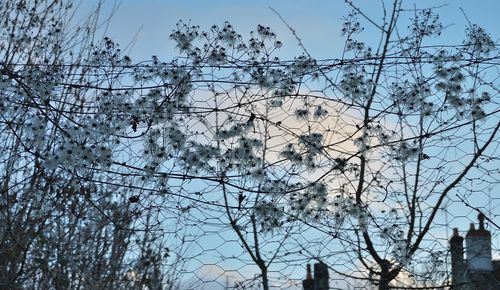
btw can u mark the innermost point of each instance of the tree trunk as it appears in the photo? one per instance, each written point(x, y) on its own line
point(265, 278)
point(385, 276)
point(383, 284)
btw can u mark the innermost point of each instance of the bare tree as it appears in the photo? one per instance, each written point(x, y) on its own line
point(363, 149)
point(61, 229)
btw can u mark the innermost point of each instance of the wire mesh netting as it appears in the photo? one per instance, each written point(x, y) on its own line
point(229, 168)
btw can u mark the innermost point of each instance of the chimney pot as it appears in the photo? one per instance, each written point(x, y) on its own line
point(309, 274)
point(480, 217)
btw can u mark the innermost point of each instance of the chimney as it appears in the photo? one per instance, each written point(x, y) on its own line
point(478, 248)
point(308, 283)
point(457, 258)
point(320, 280)
point(321, 276)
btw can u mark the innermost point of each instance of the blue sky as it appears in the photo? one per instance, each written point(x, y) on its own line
point(316, 22)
